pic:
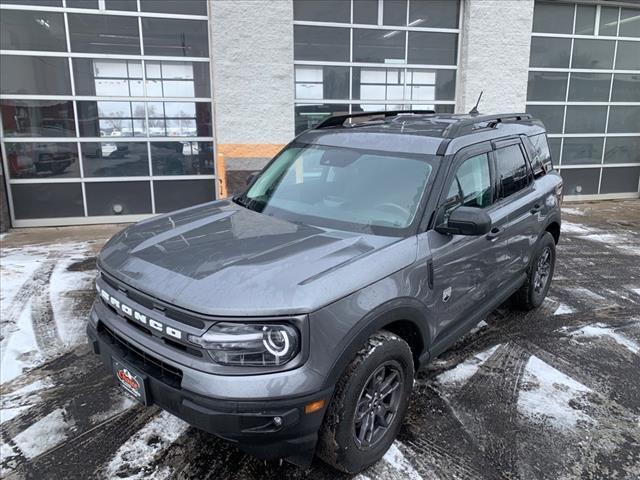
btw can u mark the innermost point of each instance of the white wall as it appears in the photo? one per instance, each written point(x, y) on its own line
point(494, 55)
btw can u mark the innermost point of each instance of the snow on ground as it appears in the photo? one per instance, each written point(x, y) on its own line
point(43, 435)
point(623, 242)
point(563, 310)
point(396, 459)
point(548, 395)
point(601, 330)
point(20, 351)
point(467, 369)
point(136, 456)
point(572, 211)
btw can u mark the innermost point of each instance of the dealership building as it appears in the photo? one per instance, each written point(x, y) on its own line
point(116, 110)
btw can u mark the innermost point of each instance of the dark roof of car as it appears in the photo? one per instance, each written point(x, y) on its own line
point(418, 132)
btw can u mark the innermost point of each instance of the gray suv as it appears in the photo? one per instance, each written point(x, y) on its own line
point(291, 319)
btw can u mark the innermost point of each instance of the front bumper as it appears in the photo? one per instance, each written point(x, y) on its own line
point(251, 424)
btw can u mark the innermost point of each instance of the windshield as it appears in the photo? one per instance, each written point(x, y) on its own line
point(342, 187)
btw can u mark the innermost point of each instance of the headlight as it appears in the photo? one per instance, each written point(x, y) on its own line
point(250, 345)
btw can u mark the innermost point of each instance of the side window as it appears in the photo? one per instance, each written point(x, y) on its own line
point(512, 171)
point(540, 155)
point(471, 186)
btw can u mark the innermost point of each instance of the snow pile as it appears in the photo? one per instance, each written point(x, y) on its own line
point(467, 369)
point(135, 457)
point(602, 330)
point(551, 396)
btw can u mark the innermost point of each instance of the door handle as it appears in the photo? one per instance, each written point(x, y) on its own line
point(536, 208)
point(494, 233)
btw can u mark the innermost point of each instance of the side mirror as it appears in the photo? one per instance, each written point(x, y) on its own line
point(466, 221)
point(252, 176)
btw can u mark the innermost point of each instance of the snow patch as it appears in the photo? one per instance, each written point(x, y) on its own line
point(563, 310)
point(43, 435)
point(399, 462)
point(573, 211)
point(467, 369)
point(134, 458)
point(7, 414)
point(575, 228)
point(602, 330)
point(586, 293)
point(550, 396)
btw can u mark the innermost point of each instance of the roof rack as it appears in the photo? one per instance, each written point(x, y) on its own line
point(338, 120)
point(458, 128)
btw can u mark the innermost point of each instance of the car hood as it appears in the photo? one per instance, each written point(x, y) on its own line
point(223, 259)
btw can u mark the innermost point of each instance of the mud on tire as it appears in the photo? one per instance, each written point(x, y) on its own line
point(338, 443)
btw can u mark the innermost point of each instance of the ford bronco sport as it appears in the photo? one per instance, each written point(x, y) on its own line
point(292, 318)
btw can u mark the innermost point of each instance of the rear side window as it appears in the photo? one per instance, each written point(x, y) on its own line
point(471, 186)
point(540, 155)
point(512, 171)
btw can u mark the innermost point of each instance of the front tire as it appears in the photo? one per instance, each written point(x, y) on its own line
point(368, 405)
point(539, 275)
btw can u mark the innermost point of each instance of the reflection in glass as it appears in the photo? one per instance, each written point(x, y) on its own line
point(176, 38)
point(34, 75)
point(608, 21)
point(41, 160)
point(589, 87)
point(626, 87)
point(378, 83)
point(624, 119)
point(585, 119)
point(550, 52)
point(175, 194)
point(620, 180)
point(320, 43)
point(378, 46)
point(123, 159)
point(580, 181)
point(629, 22)
point(552, 18)
point(431, 48)
point(182, 158)
point(111, 119)
point(177, 79)
point(308, 116)
point(551, 116)
point(103, 34)
point(337, 11)
point(434, 13)
point(25, 30)
point(622, 150)
point(580, 151)
point(179, 119)
point(105, 77)
point(118, 198)
point(47, 200)
point(37, 118)
point(318, 82)
point(585, 19)
point(549, 86)
point(592, 53)
point(628, 56)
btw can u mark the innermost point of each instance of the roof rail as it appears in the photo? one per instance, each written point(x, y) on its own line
point(338, 120)
point(458, 128)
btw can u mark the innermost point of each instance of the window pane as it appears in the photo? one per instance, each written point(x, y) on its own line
point(626, 88)
point(121, 198)
point(365, 11)
point(115, 159)
point(186, 7)
point(552, 18)
point(629, 22)
point(82, 4)
point(176, 194)
point(628, 56)
point(176, 38)
point(379, 46)
point(111, 119)
point(434, 13)
point(179, 119)
point(322, 10)
point(429, 48)
point(105, 77)
point(589, 87)
point(380, 83)
point(182, 158)
point(620, 180)
point(622, 150)
point(318, 82)
point(42, 3)
point(580, 151)
point(321, 43)
point(103, 34)
point(511, 170)
point(554, 147)
point(37, 118)
point(24, 30)
point(593, 53)
point(41, 200)
point(34, 75)
point(394, 12)
point(585, 119)
point(541, 154)
point(471, 186)
point(308, 116)
point(608, 21)
point(581, 181)
point(129, 5)
point(550, 52)
point(551, 116)
point(624, 119)
point(549, 86)
point(585, 19)
point(431, 85)
point(38, 160)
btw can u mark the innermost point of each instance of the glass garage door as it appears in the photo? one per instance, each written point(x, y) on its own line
point(105, 110)
point(584, 83)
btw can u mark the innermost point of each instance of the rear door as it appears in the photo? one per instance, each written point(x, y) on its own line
point(518, 197)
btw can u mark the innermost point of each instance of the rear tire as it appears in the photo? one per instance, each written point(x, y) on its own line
point(539, 275)
point(352, 444)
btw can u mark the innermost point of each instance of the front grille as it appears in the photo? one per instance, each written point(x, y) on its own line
point(149, 364)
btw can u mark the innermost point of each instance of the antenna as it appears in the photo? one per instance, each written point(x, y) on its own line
point(474, 110)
